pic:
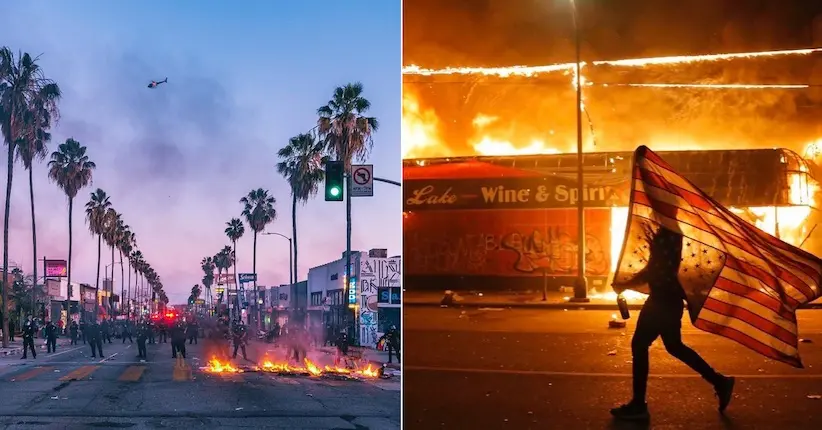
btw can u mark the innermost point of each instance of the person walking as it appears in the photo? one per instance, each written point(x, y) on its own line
point(51, 337)
point(29, 333)
point(661, 316)
point(239, 338)
point(392, 342)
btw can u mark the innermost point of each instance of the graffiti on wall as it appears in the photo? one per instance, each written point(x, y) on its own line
point(375, 273)
point(517, 242)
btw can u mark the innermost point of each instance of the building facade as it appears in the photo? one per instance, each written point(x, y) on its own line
point(373, 300)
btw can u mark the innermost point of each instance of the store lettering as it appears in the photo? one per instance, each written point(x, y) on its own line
point(428, 196)
point(571, 195)
point(501, 194)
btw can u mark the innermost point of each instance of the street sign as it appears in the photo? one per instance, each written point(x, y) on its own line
point(363, 180)
point(247, 277)
point(199, 302)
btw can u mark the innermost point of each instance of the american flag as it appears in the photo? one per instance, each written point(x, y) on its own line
point(739, 282)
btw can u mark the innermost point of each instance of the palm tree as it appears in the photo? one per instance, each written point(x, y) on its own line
point(136, 262)
point(96, 209)
point(347, 134)
point(208, 276)
point(228, 261)
point(302, 166)
point(28, 107)
point(111, 235)
point(223, 262)
point(234, 230)
point(258, 210)
point(71, 169)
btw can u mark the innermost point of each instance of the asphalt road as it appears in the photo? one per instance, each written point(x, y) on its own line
point(552, 369)
point(70, 390)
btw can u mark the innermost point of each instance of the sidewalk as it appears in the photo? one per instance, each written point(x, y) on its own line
point(524, 299)
point(16, 347)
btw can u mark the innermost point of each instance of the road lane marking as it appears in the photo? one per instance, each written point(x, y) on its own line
point(132, 374)
point(25, 376)
point(108, 358)
point(80, 373)
point(63, 352)
point(602, 374)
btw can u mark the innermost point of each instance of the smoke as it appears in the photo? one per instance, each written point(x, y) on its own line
point(524, 32)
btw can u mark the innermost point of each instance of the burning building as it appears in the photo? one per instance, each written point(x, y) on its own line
point(509, 222)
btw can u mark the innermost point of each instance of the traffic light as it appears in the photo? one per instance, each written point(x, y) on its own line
point(334, 181)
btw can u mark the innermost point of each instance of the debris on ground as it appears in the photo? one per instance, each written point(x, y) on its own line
point(612, 352)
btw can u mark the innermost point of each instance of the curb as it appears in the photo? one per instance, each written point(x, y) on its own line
point(550, 306)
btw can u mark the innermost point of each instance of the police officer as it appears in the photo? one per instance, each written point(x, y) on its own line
point(192, 331)
point(51, 337)
point(142, 336)
point(162, 330)
point(95, 338)
point(151, 328)
point(73, 332)
point(178, 339)
point(83, 326)
point(239, 337)
point(29, 332)
point(105, 330)
point(127, 331)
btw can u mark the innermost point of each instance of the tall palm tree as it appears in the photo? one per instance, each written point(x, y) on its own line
point(71, 169)
point(228, 261)
point(96, 208)
point(222, 261)
point(302, 166)
point(347, 134)
point(123, 235)
point(111, 235)
point(136, 265)
point(208, 276)
point(234, 230)
point(28, 106)
point(258, 210)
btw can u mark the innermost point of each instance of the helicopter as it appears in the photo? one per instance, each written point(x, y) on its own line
point(154, 84)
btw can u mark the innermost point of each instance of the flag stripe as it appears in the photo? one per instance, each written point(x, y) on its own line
point(754, 338)
point(751, 319)
point(747, 341)
point(758, 297)
point(766, 279)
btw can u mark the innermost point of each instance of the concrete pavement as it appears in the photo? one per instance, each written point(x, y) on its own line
point(71, 390)
point(524, 368)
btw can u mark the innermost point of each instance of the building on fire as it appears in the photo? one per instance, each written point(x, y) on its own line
point(509, 222)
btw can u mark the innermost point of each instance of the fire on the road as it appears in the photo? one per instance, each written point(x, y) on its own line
point(308, 367)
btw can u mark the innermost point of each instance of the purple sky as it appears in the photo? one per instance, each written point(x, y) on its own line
point(176, 160)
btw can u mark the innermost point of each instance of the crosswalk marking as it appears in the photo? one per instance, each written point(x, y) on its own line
point(25, 376)
point(81, 373)
point(132, 374)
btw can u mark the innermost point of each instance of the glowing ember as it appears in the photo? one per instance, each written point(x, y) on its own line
point(313, 369)
point(216, 366)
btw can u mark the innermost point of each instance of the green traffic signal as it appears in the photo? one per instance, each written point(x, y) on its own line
point(334, 181)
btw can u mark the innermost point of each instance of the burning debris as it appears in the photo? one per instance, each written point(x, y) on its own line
point(307, 368)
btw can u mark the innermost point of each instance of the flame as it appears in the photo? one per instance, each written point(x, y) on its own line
point(368, 372)
point(420, 130)
point(313, 369)
point(216, 366)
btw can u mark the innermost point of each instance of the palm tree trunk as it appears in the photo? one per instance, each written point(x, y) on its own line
point(5, 292)
point(236, 286)
point(294, 235)
point(68, 268)
point(111, 283)
point(253, 269)
point(122, 283)
point(99, 260)
point(128, 311)
point(33, 243)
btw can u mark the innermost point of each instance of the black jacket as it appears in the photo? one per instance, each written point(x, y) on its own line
point(30, 329)
point(51, 331)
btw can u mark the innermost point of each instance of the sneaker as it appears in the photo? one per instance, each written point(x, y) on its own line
point(632, 412)
point(724, 392)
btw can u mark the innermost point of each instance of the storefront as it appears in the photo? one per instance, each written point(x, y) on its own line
point(485, 223)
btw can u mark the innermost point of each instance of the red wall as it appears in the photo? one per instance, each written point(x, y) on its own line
point(504, 242)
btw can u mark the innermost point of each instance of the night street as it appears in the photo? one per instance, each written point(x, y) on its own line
point(523, 369)
point(71, 390)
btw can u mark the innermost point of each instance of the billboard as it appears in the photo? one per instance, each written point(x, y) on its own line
point(53, 287)
point(56, 268)
point(507, 243)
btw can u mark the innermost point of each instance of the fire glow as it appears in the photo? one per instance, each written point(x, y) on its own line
point(312, 369)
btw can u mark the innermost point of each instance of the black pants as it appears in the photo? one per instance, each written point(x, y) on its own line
point(162, 338)
point(74, 338)
point(151, 338)
point(51, 344)
point(83, 335)
point(107, 337)
point(663, 320)
point(192, 339)
point(178, 346)
point(28, 344)
point(395, 349)
point(141, 347)
point(127, 336)
point(240, 346)
point(96, 346)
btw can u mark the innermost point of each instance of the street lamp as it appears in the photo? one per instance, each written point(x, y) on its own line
point(581, 284)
